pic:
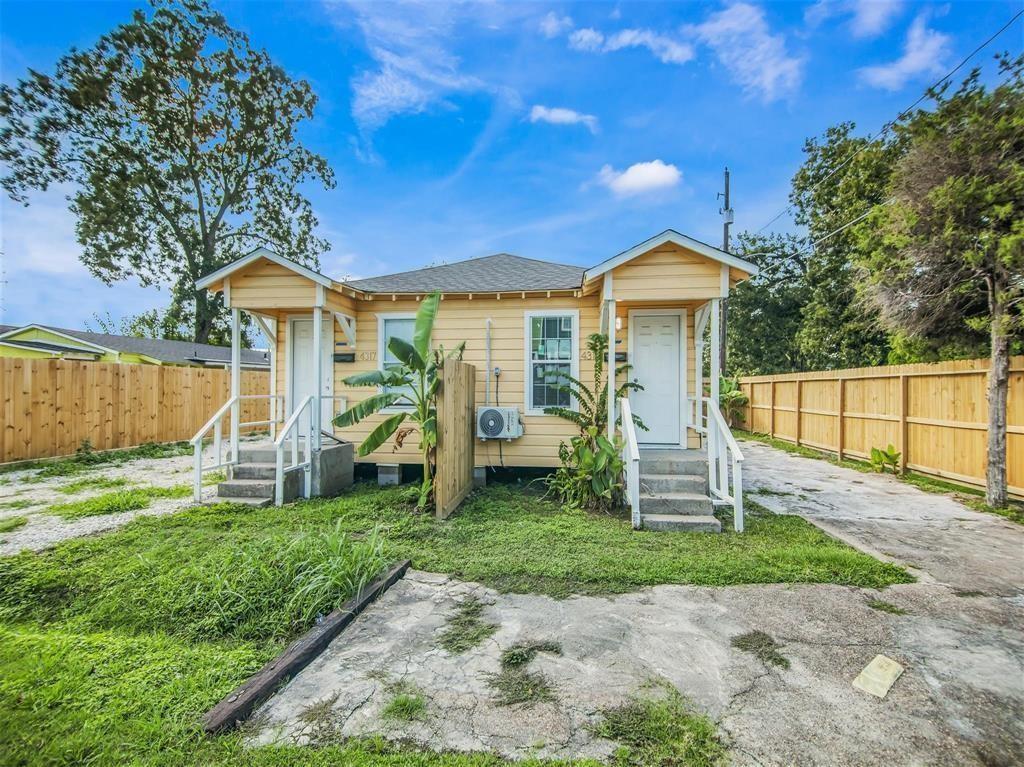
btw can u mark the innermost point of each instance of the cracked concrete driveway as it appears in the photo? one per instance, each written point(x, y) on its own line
point(958, 632)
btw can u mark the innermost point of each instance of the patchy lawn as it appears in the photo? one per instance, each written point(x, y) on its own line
point(112, 647)
point(971, 497)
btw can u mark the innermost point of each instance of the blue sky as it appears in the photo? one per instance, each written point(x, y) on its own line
point(558, 131)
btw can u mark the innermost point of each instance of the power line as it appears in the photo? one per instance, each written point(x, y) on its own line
point(889, 125)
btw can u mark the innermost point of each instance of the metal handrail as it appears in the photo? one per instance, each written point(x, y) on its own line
point(631, 457)
point(721, 446)
point(279, 446)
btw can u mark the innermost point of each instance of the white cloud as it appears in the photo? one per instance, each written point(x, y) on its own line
point(665, 49)
point(640, 178)
point(586, 39)
point(923, 53)
point(553, 25)
point(869, 18)
point(562, 116)
point(756, 59)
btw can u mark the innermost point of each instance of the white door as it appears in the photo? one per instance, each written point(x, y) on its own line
point(657, 347)
point(303, 364)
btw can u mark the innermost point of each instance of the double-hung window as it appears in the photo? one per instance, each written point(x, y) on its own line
point(394, 326)
point(552, 351)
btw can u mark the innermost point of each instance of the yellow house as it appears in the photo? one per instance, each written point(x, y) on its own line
point(521, 319)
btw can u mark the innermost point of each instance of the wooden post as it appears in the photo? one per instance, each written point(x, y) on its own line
point(903, 424)
point(771, 415)
point(842, 420)
point(798, 397)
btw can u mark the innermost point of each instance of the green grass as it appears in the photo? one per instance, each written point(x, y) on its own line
point(86, 458)
point(763, 646)
point(661, 732)
point(116, 502)
point(521, 654)
point(514, 684)
point(19, 503)
point(7, 524)
point(466, 628)
point(406, 707)
point(886, 607)
point(91, 483)
point(112, 647)
point(971, 497)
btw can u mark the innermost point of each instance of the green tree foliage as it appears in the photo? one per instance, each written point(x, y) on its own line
point(836, 330)
point(765, 311)
point(945, 260)
point(413, 386)
point(179, 139)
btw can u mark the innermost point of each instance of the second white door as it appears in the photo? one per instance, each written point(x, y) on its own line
point(303, 377)
point(656, 357)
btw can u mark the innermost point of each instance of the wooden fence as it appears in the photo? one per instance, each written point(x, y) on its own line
point(455, 441)
point(936, 415)
point(49, 407)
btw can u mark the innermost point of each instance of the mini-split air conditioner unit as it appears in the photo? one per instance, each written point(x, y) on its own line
point(498, 423)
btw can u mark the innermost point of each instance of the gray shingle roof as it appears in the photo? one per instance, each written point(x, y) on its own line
point(175, 352)
point(489, 274)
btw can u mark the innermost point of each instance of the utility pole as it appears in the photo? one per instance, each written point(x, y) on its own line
point(727, 219)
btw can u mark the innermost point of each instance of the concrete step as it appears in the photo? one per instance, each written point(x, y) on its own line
point(256, 503)
point(655, 484)
point(265, 453)
point(673, 462)
point(683, 524)
point(680, 504)
point(255, 471)
point(260, 488)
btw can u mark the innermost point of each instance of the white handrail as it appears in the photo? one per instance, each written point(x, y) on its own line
point(216, 423)
point(291, 425)
point(631, 457)
point(722, 446)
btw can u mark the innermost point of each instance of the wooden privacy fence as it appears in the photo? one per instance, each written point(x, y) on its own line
point(936, 415)
point(49, 407)
point(455, 443)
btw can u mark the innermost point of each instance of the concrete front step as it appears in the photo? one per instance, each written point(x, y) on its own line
point(259, 488)
point(677, 523)
point(679, 504)
point(691, 462)
point(255, 470)
point(267, 453)
point(656, 484)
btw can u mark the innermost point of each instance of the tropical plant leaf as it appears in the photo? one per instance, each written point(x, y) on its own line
point(377, 378)
point(367, 407)
point(381, 433)
point(406, 354)
point(425, 324)
point(569, 415)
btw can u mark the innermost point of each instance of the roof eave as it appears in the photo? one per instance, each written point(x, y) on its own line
point(240, 263)
point(669, 235)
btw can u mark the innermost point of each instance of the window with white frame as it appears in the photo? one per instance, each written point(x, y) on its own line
point(388, 327)
point(552, 351)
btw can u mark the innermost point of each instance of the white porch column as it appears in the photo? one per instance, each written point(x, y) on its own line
point(609, 306)
point(236, 378)
point(318, 368)
point(716, 348)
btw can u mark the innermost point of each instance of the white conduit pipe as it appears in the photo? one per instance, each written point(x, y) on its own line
point(487, 389)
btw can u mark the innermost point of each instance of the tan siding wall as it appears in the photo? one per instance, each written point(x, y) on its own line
point(266, 285)
point(667, 273)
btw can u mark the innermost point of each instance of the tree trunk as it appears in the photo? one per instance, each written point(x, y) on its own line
point(203, 320)
point(998, 384)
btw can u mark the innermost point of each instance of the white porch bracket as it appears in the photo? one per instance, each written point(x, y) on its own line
point(347, 323)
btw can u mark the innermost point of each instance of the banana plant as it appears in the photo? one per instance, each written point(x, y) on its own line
point(593, 403)
point(413, 385)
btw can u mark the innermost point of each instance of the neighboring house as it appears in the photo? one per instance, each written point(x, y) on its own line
point(526, 317)
point(43, 341)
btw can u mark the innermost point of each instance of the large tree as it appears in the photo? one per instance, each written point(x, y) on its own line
point(765, 311)
point(180, 141)
point(841, 178)
point(945, 260)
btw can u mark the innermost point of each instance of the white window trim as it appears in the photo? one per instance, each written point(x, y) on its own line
point(382, 347)
point(574, 361)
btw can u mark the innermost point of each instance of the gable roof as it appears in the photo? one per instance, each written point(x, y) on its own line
point(499, 273)
point(674, 237)
point(174, 352)
point(256, 255)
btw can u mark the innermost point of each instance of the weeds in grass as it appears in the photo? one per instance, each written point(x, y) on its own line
point(215, 477)
point(116, 502)
point(521, 654)
point(323, 724)
point(886, 607)
point(466, 629)
point(91, 483)
point(661, 732)
point(769, 491)
point(18, 503)
point(763, 646)
point(86, 458)
point(7, 524)
point(406, 707)
point(514, 684)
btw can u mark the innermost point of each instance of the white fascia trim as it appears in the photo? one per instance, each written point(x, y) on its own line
point(45, 329)
point(669, 235)
point(234, 266)
point(574, 368)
